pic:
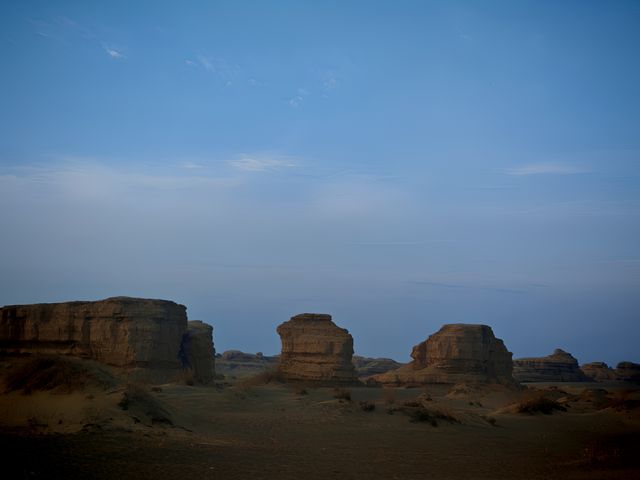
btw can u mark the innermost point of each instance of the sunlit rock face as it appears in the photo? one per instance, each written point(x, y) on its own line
point(366, 367)
point(599, 372)
point(457, 353)
point(120, 331)
point(315, 350)
point(560, 366)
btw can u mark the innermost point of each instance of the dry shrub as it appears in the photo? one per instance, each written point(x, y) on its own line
point(342, 394)
point(139, 402)
point(366, 406)
point(621, 401)
point(490, 420)
point(430, 415)
point(300, 390)
point(600, 453)
point(389, 396)
point(262, 378)
point(539, 404)
point(412, 403)
point(57, 374)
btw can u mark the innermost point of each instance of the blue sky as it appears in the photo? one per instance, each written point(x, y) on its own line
point(399, 165)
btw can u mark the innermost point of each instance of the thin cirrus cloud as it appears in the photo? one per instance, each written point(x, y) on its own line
point(258, 164)
point(548, 168)
point(113, 53)
point(225, 70)
point(295, 102)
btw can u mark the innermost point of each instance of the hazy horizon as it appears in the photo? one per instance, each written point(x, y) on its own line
point(398, 167)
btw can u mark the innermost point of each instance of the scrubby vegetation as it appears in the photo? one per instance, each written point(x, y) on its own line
point(367, 406)
point(342, 394)
point(140, 403)
point(539, 405)
point(59, 374)
point(430, 415)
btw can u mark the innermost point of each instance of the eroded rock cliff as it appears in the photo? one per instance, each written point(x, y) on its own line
point(120, 331)
point(314, 349)
point(560, 366)
point(457, 353)
point(599, 372)
point(197, 352)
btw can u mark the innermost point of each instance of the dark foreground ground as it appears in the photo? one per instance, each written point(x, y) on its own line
point(273, 431)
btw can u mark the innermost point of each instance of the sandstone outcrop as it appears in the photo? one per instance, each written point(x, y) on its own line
point(599, 372)
point(135, 333)
point(236, 363)
point(314, 349)
point(456, 354)
point(365, 366)
point(560, 366)
point(628, 372)
point(197, 352)
point(120, 331)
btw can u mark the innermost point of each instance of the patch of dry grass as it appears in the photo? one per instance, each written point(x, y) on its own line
point(367, 406)
point(59, 374)
point(430, 415)
point(139, 402)
point(539, 404)
point(342, 394)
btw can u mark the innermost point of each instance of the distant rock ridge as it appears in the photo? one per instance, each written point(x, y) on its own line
point(314, 349)
point(134, 333)
point(237, 363)
point(365, 366)
point(457, 353)
point(560, 366)
point(599, 372)
point(628, 372)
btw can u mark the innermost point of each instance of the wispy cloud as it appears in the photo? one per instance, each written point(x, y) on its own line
point(62, 28)
point(295, 102)
point(461, 286)
point(113, 53)
point(546, 168)
point(88, 178)
point(261, 164)
point(225, 70)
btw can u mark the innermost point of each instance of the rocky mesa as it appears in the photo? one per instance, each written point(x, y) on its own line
point(457, 353)
point(560, 366)
point(133, 333)
point(314, 349)
point(599, 372)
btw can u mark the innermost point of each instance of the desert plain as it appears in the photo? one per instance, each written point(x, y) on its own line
point(314, 411)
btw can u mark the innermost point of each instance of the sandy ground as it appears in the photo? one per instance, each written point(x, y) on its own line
point(255, 430)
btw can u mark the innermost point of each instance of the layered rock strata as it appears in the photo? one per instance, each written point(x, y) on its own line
point(628, 372)
point(120, 331)
point(365, 366)
point(599, 372)
point(197, 352)
point(457, 353)
point(142, 335)
point(560, 366)
point(314, 349)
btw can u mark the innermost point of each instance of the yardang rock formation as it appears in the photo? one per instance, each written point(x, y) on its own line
point(599, 372)
point(197, 352)
point(314, 349)
point(457, 353)
point(560, 366)
point(134, 333)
